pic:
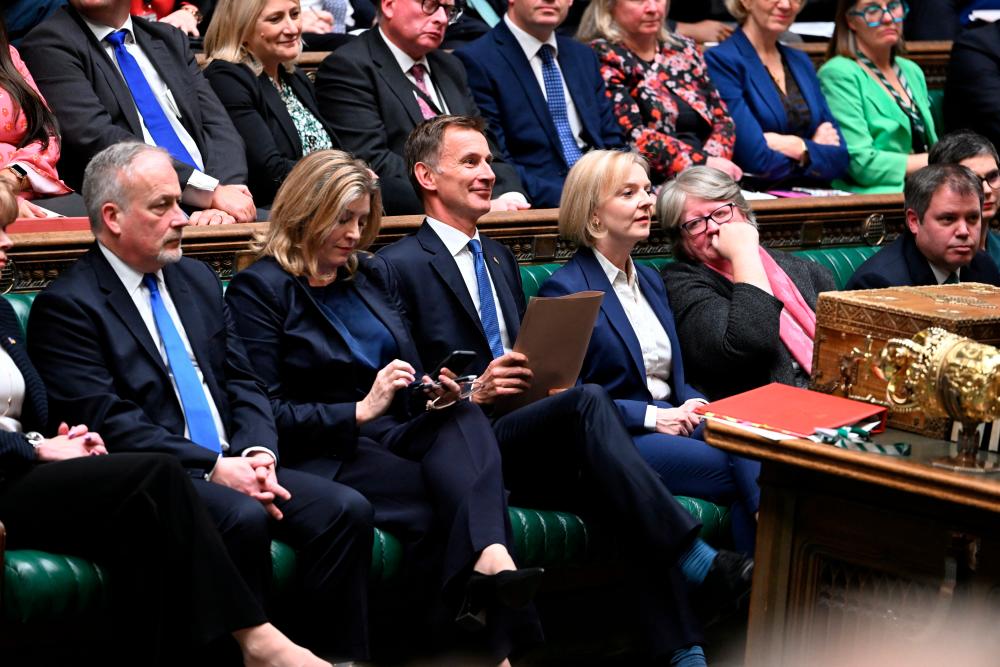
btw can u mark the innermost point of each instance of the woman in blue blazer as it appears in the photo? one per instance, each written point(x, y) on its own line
point(330, 340)
point(634, 352)
point(785, 132)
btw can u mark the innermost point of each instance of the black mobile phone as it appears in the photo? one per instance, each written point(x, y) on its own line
point(456, 362)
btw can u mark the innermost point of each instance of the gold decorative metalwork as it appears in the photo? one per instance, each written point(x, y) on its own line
point(946, 375)
point(873, 229)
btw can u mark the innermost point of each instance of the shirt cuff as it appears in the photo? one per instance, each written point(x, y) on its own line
point(250, 451)
point(514, 196)
point(199, 190)
point(208, 475)
point(649, 423)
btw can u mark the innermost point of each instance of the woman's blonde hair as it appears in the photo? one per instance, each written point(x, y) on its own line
point(598, 23)
point(843, 42)
point(738, 10)
point(591, 181)
point(232, 23)
point(310, 204)
point(704, 183)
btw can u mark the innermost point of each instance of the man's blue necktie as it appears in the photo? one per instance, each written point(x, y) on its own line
point(557, 105)
point(201, 425)
point(145, 101)
point(487, 307)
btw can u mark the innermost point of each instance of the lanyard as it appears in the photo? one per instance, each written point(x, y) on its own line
point(908, 106)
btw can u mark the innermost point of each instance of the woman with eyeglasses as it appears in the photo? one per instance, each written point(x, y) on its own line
point(785, 132)
point(745, 315)
point(667, 106)
point(321, 319)
point(634, 350)
point(252, 46)
point(878, 97)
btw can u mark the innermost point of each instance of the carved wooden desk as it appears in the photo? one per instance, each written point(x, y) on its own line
point(854, 547)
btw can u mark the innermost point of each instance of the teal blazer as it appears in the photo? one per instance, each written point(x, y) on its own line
point(876, 129)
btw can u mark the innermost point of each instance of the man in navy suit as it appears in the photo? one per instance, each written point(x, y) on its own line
point(542, 94)
point(571, 450)
point(376, 89)
point(136, 341)
point(944, 209)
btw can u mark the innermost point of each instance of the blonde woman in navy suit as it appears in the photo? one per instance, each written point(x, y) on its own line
point(634, 352)
point(322, 320)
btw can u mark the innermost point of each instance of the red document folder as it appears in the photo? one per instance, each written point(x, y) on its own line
point(778, 407)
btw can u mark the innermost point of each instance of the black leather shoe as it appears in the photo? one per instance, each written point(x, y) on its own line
point(726, 589)
point(513, 589)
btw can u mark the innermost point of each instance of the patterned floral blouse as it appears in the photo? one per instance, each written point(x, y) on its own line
point(641, 94)
point(312, 134)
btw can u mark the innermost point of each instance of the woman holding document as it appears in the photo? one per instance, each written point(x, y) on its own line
point(321, 319)
point(634, 352)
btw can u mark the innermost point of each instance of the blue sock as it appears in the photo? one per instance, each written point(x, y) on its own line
point(696, 561)
point(692, 656)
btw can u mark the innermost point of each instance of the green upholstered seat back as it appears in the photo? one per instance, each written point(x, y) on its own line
point(842, 261)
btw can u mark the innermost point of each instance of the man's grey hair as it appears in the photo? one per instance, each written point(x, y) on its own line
point(922, 184)
point(108, 177)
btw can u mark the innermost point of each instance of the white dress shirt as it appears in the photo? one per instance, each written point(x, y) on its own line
point(531, 47)
point(654, 343)
point(12, 390)
point(941, 275)
point(457, 244)
point(406, 63)
point(198, 190)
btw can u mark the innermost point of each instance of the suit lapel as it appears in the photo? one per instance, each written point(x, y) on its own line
point(272, 98)
point(762, 82)
point(443, 265)
point(160, 55)
point(394, 77)
point(662, 310)
point(372, 296)
point(454, 97)
point(612, 308)
point(579, 89)
point(513, 54)
point(111, 74)
point(123, 306)
point(916, 264)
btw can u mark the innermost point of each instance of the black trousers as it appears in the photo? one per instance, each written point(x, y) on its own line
point(174, 584)
point(435, 481)
point(572, 451)
point(330, 527)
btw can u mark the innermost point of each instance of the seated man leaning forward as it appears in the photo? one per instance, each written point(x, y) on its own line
point(570, 450)
point(944, 210)
point(111, 77)
point(376, 89)
point(137, 341)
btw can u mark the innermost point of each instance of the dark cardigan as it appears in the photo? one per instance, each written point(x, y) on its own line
point(729, 332)
point(16, 453)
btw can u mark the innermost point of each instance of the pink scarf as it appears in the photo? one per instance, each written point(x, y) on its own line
point(797, 325)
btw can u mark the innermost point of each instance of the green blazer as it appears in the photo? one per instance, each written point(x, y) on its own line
point(876, 130)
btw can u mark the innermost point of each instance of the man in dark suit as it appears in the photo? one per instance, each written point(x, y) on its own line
point(462, 290)
point(109, 77)
point(376, 89)
point(137, 342)
point(944, 208)
point(542, 94)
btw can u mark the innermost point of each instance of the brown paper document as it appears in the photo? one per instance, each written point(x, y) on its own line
point(554, 334)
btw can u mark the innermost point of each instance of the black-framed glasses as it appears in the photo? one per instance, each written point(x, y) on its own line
point(873, 13)
point(992, 179)
point(720, 216)
point(453, 10)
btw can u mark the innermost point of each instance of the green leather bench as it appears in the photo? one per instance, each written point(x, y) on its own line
point(39, 587)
